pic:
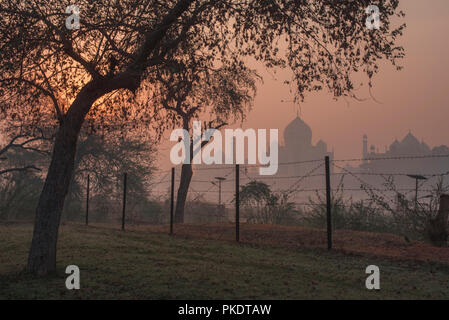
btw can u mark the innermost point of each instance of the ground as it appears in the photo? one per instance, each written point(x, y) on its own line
point(202, 262)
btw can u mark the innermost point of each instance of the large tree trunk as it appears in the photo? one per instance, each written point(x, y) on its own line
point(186, 178)
point(42, 256)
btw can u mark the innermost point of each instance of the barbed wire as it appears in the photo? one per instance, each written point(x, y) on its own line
point(429, 175)
point(213, 185)
point(294, 188)
point(403, 157)
point(363, 183)
point(303, 178)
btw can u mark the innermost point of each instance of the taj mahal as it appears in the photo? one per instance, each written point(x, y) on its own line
point(408, 156)
point(298, 147)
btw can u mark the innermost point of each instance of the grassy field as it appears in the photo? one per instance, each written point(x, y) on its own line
point(145, 265)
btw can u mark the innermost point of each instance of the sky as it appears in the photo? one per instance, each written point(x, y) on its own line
point(414, 99)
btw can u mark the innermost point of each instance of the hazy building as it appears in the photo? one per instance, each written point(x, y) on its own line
point(408, 156)
point(298, 147)
point(407, 149)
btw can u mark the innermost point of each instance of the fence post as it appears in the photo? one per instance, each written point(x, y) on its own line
point(87, 200)
point(172, 198)
point(237, 203)
point(328, 205)
point(124, 201)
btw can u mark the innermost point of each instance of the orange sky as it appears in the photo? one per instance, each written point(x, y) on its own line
point(415, 98)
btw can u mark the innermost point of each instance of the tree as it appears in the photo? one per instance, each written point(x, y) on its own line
point(105, 158)
point(190, 89)
point(99, 69)
point(265, 206)
point(17, 151)
point(22, 159)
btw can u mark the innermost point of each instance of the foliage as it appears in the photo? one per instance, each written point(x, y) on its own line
point(123, 46)
point(22, 151)
point(261, 205)
point(105, 158)
point(21, 160)
point(348, 214)
point(19, 193)
point(379, 213)
point(104, 70)
point(411, 217)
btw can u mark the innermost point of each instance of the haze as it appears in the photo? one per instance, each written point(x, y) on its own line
point(413, 99)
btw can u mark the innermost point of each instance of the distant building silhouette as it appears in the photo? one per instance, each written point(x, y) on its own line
point(298, 147)
point(409, 146)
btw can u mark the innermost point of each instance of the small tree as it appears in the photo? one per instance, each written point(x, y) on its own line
point(191, 89)
point(23, 160)
point(21, 153)
point(105, 158)
point(264, 206)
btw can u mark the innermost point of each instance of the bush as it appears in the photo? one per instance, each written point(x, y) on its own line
point(350, 215)
point(19, 194)
point(261, 205)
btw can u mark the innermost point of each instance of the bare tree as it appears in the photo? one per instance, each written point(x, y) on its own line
point(23, 143)
point(98, 70)
point(189, 90)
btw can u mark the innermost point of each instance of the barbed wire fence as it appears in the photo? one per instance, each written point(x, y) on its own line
point(304, 190)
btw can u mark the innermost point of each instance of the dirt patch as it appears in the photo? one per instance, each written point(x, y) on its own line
point(384, 245)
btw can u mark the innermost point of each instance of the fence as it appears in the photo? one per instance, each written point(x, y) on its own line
point(323, 190)
point(379, 194)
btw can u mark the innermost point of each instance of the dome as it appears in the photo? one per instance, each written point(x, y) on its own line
point(440, 150)
point(410, 141)
point(321, 143)
point(321, 146)
point(425, 147)
point(298, 132)
point(411, 145)
point(395, 145)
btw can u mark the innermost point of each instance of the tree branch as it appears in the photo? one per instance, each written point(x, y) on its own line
point(19, 169)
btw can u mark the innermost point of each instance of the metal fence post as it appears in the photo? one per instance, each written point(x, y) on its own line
point(124, 201)
point(87, 200)
point(237, 203)
point(172, 198)
point(328, 205)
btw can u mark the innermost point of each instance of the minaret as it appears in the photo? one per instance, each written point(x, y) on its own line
point(365, 147)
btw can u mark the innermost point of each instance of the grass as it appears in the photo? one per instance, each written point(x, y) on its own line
point(144, 265)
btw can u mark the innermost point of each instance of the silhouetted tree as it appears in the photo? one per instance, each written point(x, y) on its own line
point(262, 205)
point(189, 89)
point(106, 158)
point(98, 70)
point(17, 154)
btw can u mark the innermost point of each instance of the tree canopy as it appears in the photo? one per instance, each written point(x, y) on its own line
point(103, 70)
point(121, 45)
